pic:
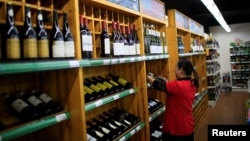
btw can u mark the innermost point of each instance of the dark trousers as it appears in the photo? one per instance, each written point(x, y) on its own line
point(168, 137)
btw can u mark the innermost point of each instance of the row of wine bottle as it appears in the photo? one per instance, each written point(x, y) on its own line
point(34, 42)
point(109, 125)
point(98, 87)
point(31, 105)
point(153, 105)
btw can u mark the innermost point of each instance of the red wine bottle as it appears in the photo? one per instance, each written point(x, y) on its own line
point(136, 41)
point(69, 44)
point(105, 41)
point(11, 49)
point(86, 38)
point(42, 37)
point(29, 38)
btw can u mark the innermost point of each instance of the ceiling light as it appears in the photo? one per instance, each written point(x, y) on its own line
point(212, 7)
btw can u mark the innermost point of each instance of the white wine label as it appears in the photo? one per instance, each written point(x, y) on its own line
point(69, 48)
point(122, 139)
point(107, 46)
point(43, 48)
point(116, 49)
point(121, 48)
point(58, 49)
point(129, 123)
point(89, 42)
point(45, 98)
point(90, 138)
point(98, 103)
point(30, 48)
point(132, 132)
point(84, 43)
point(131, 91)
point(34, 100)
point(106, 62)
point(74, 64)
point(19, 105)
point(138, 128)
point(114, 61)
point(116, 97)
point(112, 126)
point(99, 134)
point(61, 117)
point(105, 130)
point(158, 132)
point(118, 123)
point(13, 48)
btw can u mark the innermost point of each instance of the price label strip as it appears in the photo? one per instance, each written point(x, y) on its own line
point(74, 64)
point(61, 117)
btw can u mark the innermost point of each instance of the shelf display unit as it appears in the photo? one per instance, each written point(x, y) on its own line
point(213, 71)
point(239, 59)
point(63, 79)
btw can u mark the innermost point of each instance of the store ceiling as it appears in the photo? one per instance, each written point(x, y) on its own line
point(233, 11)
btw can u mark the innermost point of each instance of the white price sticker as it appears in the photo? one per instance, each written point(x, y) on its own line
point(132, 132)
point(131, 91)
point(159, 112)
point(132, 59)
point(164, 108)
point(150, 57)
point(98, 103)
point(122, 60)
point(74, 64)
point(114, 61)
point(61, 117)
point(150, 118)
point(139, 58)
point(157, 57)
point(116, 97)
point(106, 62)
point(122, 139)
point(138, 128)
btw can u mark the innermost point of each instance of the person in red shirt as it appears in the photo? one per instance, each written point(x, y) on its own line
point(178, 124)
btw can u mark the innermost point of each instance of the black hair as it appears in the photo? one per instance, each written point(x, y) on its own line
point(188, 68)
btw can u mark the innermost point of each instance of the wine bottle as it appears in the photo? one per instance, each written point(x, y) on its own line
point(99, 91)
point(130, 38)
point(112, 87)
point(107, 135)
point(86, 38)
point(29, 46)
point(123, 127)
point(108, 87)
point(110, 123)
point(113, 130)
point(104, 89)
point(164, 43)
point(21, 108)
point(42, 37)
point(125, 115)
point(121, 118)
point(69, 44)
point(89, 94)
point(118, 87)
point(93, 133)
point(57, 40)
point(115, 40)
point(105, 41)
point(136, 41)
point(121, 40)
point(10, 40)
point(39, 106)
point(48, 100)
point(122, 81)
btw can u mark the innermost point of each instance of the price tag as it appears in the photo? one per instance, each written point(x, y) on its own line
point(132, 59)
point(150, 57)
point(139, 58)
point(116, 97)
point(143, 57)
point(157, 57)
point(159, 112)
point(131, 91)
point(138, 128)
point(132, 132)
point(122, 139)
point(114, 61)
point(98, 103)
point(74, 64)
point(106, 62)
point(61, 117)
point(122, 60)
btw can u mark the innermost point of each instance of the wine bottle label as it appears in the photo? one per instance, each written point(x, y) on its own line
point(91, 138)
point(99, 134)
point(112, 126)
point(126, 49)
point(84, 43)
point(122, 81)
point(30, 48)
point(127, 122)
point(107, 84)
point(165, 49)
point(118, 123)
point(69, 49)
point(43, 48)
point(89, 42)
point(19, 105)
point(116, 48)
point(121, 48)
point(132, 49)
point(58, 49)
point(45, 98)
point(105, 130)
point(88, 90)
point(34, 100)
point(137, 46)
point(95, 88)
point(113, 82)
point(13, 48)
point(103, 87)
point(107, 46)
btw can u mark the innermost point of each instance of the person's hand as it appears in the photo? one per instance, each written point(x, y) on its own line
point(150, 79)
point(163, 78)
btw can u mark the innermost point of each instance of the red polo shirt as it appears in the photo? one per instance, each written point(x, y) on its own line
point(179, 112)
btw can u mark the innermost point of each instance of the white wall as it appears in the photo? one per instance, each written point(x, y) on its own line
point(241, 31)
